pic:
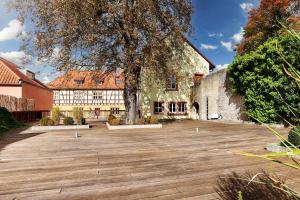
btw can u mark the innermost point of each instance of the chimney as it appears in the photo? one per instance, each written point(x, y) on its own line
point(30, 74)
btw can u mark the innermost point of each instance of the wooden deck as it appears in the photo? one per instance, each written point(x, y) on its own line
point(175, 162)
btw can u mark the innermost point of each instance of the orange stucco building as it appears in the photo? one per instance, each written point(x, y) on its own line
point(14, 83)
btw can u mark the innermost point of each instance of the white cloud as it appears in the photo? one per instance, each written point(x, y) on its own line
point(17, 57)
point(207, 46)
point(222, 66)
point(215, 35)
point(227, 45)
point(13, 29)
point(238, 37)
point(247, 7)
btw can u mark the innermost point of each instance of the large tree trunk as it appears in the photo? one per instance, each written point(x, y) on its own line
point(130, 105)
point(130, 96)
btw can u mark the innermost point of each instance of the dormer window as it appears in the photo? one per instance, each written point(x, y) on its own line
point(99, 82)
point(118, 81)
point(78, 82)
point(172, 82)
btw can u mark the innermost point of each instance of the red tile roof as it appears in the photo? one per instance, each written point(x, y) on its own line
point(89, 80)
point(11, 75)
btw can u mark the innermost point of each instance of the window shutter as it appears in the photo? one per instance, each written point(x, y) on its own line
point(185, 107)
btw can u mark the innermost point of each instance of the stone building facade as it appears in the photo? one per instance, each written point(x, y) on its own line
point(214, 99)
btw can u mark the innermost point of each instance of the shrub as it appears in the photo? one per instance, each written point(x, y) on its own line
point(46, 121)
point(6, 119)
point(263, 186)
point(77, 114)
point(111, 117)
point(116, 121)
point(68, 121)
point(82, 121)
point(152, 119)
point(141, 121)
point(294, 136)
point(55, 114)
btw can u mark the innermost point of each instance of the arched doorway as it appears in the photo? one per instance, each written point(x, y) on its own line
point(195, 111)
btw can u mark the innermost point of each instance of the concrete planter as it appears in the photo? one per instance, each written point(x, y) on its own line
point(142, 126)
point(274, 147)
point(59, 127)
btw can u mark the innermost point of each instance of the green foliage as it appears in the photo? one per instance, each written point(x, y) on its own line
point(77, 114)
point(46, 121)
point(260, 77)
point(82, 121)
point(240, 195)
point(294, 136)
point(7, 121)
point(55, 114)
point(68, 121)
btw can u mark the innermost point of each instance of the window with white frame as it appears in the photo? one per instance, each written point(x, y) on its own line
point(99, 82)
point(97, 95)
point(56, 95)
point(172, 107)
point(172, 82)
point(79, 95)
point(182, 107)
point(115, 111)
point(158, 107)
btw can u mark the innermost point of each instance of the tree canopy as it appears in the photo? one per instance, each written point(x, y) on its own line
point(266, 21)
point(271, 96)
point(106, 34)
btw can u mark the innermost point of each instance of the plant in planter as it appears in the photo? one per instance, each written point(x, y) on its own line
point(152, 119)
point(82, 121)
point(55, 114)
point(68, 121)
point(46, 121)
point(77, 114)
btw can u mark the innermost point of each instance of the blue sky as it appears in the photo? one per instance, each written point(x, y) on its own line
point(217, 28)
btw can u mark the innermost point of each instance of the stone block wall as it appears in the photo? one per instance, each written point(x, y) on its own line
point(215, 98)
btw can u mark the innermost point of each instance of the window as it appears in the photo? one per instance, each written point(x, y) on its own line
point(115, 111)
point(78, 82)
point(79, 95)
point(182, 107)
point(118, 81)
point(172, 107)
point(97, 95)
point(56, 95)
point(172, 83)
point(99, 82)
point(158, 107)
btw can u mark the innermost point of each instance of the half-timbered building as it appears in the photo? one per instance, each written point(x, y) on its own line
point(98, 93)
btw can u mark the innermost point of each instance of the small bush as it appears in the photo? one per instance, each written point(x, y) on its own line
point(46, 121)
point(116, 121)
point(6, 119)
point(294, 136)
point(77, 114)
point(55, 114)
point(141, 121)
point(68, 121)
point(82, 121)
point(111, 117)
point(152, 120)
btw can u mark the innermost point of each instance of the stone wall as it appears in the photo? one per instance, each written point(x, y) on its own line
point(16, 104)
point(215, 98)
